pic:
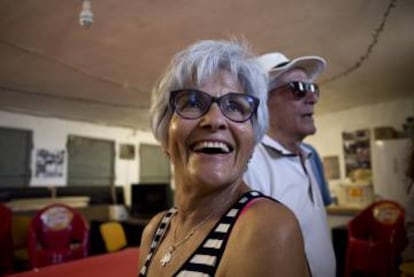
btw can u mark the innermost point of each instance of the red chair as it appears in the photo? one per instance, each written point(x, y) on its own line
point(57, 234)
point(6, 252)
point(376, 238)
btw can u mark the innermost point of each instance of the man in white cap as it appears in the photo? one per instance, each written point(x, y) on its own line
point(281, 167)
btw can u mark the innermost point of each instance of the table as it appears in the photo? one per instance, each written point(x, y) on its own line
point(122, 263)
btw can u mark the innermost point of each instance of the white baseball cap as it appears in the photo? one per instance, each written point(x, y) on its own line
point(276, 63)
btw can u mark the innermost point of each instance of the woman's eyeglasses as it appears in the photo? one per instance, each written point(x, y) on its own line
point(300, 89)
point(193, 104)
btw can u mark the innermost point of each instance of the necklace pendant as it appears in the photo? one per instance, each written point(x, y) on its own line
point(166, 258)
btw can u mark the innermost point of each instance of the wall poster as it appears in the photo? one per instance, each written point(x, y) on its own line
point(49, 167)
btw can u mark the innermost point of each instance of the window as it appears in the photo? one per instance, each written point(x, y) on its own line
point(15, 148)
point(90, 161)
point(154, 165)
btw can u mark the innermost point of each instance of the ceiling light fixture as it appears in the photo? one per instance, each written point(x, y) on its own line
point(86, 15)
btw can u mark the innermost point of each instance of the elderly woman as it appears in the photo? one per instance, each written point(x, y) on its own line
point(208, 112)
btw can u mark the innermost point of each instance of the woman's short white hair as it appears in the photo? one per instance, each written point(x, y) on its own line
point(200, 62)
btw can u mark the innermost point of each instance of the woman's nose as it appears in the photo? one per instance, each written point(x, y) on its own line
point(214, 118)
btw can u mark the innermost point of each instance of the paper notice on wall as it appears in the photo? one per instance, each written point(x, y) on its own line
point(49, 167)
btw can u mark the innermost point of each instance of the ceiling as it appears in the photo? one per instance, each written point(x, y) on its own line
point(51, 66)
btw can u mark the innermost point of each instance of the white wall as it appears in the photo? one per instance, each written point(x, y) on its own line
point(328, 139)
point(50, 133)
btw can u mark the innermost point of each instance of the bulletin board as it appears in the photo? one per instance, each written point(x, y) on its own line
point(357, 151)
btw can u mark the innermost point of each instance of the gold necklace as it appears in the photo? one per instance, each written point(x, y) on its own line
point(167, 257)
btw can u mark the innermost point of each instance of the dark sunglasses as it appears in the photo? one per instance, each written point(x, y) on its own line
point(193, 104)
point(300, 89)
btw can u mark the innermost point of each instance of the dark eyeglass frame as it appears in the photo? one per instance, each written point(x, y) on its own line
point(251, 100)
point(300, 89)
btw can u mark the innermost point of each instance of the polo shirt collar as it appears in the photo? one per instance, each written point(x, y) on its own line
point(280, 149)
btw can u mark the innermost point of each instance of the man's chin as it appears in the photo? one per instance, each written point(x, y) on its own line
point(309, 132)
point(312, 132)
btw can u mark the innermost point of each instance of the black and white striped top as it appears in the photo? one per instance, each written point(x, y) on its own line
point(205, 260)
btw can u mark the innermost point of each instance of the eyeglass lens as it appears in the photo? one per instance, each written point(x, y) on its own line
point(300, 89)
point(192, 104)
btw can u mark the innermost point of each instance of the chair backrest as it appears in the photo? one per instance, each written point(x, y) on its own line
point(57, 233)
point(6, 253)
point(113, 235)
point(376, 237)
point(382, 220)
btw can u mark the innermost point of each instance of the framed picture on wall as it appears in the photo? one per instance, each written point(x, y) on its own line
point(127, 151)
point(331, 167)
point(49, 167)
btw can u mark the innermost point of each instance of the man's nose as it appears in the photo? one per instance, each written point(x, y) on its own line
point(311, 97)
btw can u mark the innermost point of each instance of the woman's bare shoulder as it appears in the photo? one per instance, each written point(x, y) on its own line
point(266, 215)
point(269, 232)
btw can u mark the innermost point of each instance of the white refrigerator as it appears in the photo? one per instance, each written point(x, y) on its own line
point(389, 165)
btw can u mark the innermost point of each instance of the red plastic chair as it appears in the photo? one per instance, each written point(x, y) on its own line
point(6, 252)
point(376, 238)
point(57, 234)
